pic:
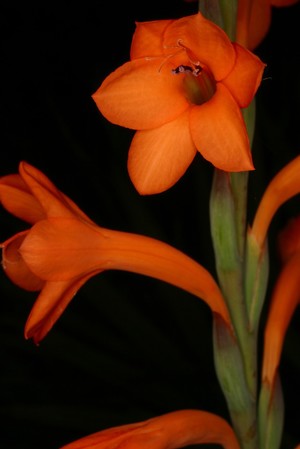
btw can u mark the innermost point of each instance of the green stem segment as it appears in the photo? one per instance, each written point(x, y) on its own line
point(231, 374)
point(271, 415)
point(242, 270)
point(235, 356)
point(222, 12)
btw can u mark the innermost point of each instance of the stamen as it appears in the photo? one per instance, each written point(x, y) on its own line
point(190, 55)
point(187, 69)
point(182, 69)
point(167, 58)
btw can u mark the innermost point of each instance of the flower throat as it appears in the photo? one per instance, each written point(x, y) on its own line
point(199, 84)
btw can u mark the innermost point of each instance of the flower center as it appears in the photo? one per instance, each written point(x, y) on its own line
point(198, 83)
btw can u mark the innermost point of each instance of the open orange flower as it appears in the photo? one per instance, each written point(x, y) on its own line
point(64, 248)
point(254, 19)
point(285, 298)
point(183, 91)
point(170, 431)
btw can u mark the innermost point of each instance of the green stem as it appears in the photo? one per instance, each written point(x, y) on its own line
point(235, 355)
point(227, 213)
point(231, 374)
point(229, 249)
point(222, 12)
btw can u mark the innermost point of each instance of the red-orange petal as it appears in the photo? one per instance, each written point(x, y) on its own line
point(142, 94)
point(243, 19)
point(205, 42)
point(283, 186)
point(244, 79)
point(159, 157)
point(14, 266)
point(17, 199)
point(259, 22)
point(54, 202)
point(285, 297)
point(50, 304)
point(254, 19)
point(170, 431)
point(147, 40)
point(61, 249)
point(219, 133)
point(289, 239)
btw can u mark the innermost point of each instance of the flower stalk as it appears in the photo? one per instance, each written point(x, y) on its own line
point(228, 215)
point(223, 13)
point(230, 369)
point(241, 352)
point(271, 415)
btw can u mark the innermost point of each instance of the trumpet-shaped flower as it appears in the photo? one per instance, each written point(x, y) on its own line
point(182, 91)
point(285, 298)
point(64, 248)
point(170, 431)
point(254, 19)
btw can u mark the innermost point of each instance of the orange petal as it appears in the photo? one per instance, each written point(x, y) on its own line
point(159, 157)
point(205, 43)
point(170, 431)
point(15, 267)
point(259, 23)
point(50, 305)
point(283, 186)
point(18, 200)
point(253, 22)
point(219, 133)
point(285, 297)
point(243, 19)
point(289, 239)
point(54, 202)
point(59, 249)
point(142, 94)
point(148, 39)
point(244, 79)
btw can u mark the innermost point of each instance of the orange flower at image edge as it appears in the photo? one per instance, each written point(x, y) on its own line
point(254, 20)
point(182, 91)
point(169, 431)
point(64, 248)
point(285, 296)
point(284, 300)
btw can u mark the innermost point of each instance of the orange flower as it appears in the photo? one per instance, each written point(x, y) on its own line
point(64, 248)
point(182, 91)
point(254, 19)
point(285, 298)
point(170, 431)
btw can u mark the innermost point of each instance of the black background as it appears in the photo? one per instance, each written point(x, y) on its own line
point(128, 347)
